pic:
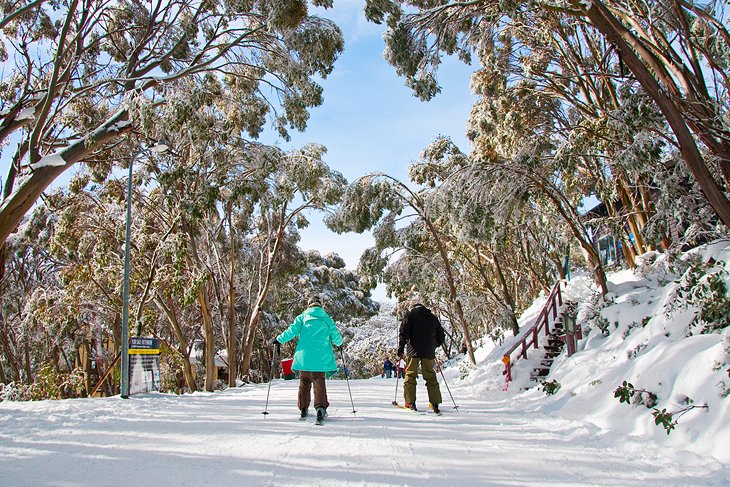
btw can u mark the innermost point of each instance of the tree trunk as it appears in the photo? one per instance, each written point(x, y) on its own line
point(182, 341)
point(260, 299)
point(446, 263)
point(209, 337)
point(626, 249)
point(7, 351)
point(232, 338)
point(507, 295)
point(606, 23)
point(14, 207)
point(629, 214)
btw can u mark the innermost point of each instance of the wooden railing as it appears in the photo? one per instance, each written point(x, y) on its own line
point(554, 301)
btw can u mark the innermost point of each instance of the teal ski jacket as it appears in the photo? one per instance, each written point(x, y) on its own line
point(317, 333)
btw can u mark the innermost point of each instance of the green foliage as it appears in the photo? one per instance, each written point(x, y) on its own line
point(594, 317)
point(550, 387)
point(702, 286)
point(48, 383)
point(668, 420)
point(172, 376)
point(465, 368)
point(364, 203)
point(664, 419)
point(630, 395)
point(624, 392)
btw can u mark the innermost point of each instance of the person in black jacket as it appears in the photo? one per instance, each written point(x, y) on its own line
point(420, 333)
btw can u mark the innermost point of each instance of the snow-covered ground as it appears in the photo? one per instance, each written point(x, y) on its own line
point(500, 436)
point(222, 439)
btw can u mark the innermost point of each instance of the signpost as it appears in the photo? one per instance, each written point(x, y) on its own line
point(144, 365)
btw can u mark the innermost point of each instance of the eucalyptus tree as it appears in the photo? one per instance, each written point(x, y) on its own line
point(33, 320)
point(378, 201)
point(496, 238)
point(203, 184)
point(342, 290)
point(602, 132)
point(300, 182)
point(81, 74)
point(677, 52)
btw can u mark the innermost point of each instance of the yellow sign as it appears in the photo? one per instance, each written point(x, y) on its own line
point(144, 351)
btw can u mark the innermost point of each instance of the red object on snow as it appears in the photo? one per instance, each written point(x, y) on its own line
point(286, 368)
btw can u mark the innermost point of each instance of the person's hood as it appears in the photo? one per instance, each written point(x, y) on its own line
point(316, 311)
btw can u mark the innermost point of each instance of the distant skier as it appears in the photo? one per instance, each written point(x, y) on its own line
point(313, 356)
point(387, 368)
point(400, 366)
point(420, 334)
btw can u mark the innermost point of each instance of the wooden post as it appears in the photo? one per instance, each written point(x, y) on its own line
point(507, 368)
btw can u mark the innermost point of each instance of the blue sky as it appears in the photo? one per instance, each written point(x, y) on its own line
point(370, 121)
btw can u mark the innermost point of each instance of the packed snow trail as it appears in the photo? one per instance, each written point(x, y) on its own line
point(222, 439)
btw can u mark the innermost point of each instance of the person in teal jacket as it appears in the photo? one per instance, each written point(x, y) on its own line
point(313, 357)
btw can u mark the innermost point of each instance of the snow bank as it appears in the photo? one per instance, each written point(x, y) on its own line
point(644, 334)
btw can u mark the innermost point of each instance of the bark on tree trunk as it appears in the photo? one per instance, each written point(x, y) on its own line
point(8, 352)
point(629, 214)
point(606, 23)
point(626, 249)
point(182, 341)
point(15, 206)
point(260, 299)
point(446, 263)
point(209, 336)
point(232, 338)
point(507, 295)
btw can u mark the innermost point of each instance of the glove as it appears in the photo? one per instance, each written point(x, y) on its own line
point(276, 344)
point(338, 348)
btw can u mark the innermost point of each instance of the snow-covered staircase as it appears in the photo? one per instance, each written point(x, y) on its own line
point(553, 348)
point(548, 328)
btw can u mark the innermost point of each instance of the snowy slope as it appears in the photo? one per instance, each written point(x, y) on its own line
point(650, 343)
point(500, 436)
point(222, 439)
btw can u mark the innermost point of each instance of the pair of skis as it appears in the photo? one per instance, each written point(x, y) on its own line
point(395, 404)
point(318, 422)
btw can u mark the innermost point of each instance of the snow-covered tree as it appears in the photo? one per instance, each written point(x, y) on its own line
point(81, 75)
point(677, 53)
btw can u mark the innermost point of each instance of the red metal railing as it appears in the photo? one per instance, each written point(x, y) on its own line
point(554, 301)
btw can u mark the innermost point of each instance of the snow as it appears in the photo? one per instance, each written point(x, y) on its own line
point(26, 114)
point(55, 159)
point(222, 439)
point(580, 436)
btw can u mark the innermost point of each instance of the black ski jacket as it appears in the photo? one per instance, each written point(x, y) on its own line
point(420, 333)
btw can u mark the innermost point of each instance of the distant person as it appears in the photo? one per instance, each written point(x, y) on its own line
point(313, 356)
point(401, 366)
point(387, 368)
point(420, 333)
point(463, 348)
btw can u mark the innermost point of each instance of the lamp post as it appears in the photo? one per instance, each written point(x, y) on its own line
point(160, 147)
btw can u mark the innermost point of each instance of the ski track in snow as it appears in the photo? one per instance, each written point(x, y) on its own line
point(222, 439)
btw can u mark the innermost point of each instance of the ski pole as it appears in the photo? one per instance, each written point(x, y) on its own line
point(271, 377)
point(395, 398)
point(438, 364)
point(347, 379)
